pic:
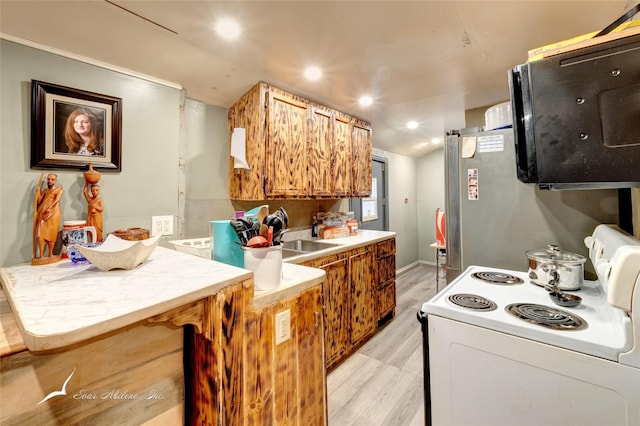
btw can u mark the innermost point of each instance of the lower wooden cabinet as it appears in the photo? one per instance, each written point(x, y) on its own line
point(285, 382)
point(362, 279)
point(335, 307)
point(358, 291)
point(236, 373)
point(386, 279)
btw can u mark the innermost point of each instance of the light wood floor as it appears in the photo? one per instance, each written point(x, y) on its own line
point(381, 384)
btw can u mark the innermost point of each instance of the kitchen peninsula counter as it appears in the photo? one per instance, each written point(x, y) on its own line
point(171, 339)
point(63, 303)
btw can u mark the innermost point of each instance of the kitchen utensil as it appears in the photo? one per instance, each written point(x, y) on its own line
point(263, 230)
point(275, 221)
point(558, 296)
point(284, 217)
point(247, 221)
point(240, 228)
point(569, 266)
point(270, 236)
point(262, 213)
point(257, 241)
point(277, 237)
point(254, 211)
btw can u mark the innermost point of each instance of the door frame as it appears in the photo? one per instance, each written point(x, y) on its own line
point(385, 196)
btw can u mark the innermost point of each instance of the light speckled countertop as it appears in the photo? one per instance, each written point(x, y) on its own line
point(61, 304)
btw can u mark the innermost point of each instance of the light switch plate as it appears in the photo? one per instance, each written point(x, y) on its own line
point(283, 326)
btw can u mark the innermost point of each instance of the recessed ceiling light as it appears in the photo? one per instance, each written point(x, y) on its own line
point(365, 100)
point(412, 125)
point(436, 141)
point(313, 73)
point(228, 28)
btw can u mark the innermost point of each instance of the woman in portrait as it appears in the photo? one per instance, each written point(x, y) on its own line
point(81, 133)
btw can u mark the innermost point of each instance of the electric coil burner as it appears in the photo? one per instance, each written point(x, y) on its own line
point(495, 277)
point(472, 301)
point(546, 316)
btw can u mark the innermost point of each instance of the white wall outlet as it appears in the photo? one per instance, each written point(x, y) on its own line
point(162, 225)
point(283, 326)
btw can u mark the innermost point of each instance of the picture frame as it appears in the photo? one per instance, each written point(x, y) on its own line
point(71, 128)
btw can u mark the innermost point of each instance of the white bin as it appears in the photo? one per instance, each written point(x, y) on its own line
point(266, 265)
point(196, 246)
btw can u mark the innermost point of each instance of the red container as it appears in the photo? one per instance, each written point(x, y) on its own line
point(440, 228)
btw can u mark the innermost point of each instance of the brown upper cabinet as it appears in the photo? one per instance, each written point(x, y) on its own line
point(298, 149)
point(361, 156)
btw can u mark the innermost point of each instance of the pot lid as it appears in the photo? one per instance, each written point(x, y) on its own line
point(553, 253)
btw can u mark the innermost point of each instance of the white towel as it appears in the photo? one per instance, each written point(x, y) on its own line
point(239, 149)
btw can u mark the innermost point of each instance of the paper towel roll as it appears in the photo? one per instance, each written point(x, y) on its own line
point(239, 148)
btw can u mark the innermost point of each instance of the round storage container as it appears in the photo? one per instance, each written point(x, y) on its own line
point(498, 117)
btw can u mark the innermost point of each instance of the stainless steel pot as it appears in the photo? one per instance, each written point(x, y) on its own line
point(569, 266)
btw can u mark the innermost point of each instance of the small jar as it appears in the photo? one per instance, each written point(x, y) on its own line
point(353, 226)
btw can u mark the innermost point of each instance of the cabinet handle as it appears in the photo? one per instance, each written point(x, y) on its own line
point(317, 316)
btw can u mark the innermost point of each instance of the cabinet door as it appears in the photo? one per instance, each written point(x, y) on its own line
point(311, 369)
point(386, 289)
point(363, 285)
point(249, 113)
point(341, 164)
point(361, 145)
point(286, 152)
point(336, 311)
point(320, 152)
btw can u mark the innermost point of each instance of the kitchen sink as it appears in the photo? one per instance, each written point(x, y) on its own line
point(286, 253)
point(299, 247)
point(306, 246)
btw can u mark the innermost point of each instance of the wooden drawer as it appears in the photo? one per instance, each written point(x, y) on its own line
point(386, 299)
point(386, 247)
point(326, 260)
point(386, 269)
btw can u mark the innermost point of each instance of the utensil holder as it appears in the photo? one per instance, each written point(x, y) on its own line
point(266, 265)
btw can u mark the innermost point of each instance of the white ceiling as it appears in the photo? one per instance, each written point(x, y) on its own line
point(426, 61)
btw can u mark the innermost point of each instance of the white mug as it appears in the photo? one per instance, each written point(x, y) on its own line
point(76, 232)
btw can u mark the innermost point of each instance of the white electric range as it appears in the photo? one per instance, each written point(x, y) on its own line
point(499, 351)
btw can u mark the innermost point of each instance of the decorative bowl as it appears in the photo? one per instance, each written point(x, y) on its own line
point(132, 234)
point(116, 253)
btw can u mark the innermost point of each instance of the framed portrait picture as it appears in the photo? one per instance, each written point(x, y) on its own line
point(71, 128)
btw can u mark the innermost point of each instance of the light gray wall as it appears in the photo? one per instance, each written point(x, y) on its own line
point(431, 196)
point(148, 183)
point(402, 215)
point(206, 168)
point(175, 153)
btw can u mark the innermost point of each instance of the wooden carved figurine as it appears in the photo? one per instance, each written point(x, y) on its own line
point(46, 220)
point(95, 208)
point(95, 204)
